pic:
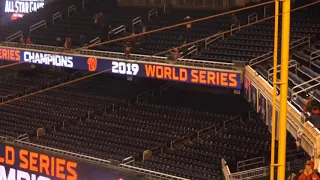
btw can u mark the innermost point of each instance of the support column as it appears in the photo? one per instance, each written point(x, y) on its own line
point(274, 95)
point(285, 42)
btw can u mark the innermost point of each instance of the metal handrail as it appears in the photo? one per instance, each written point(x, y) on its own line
point(135, 21)
point(165, 86)
point(234, 26)
point(209, 129)
point(117, 30)
point(314, 64)
point(179, 140)
point(307, 73)
point(192, 49)
point(37, 25)
point(94, 41)
point(304, 83)
point(128, 160)
point(213, 38)
point(292, 63)
point(152, 12)
point(189, 51)
point(243, 164)
point(270, 54)
point(231, 120)
point(14, 36)
point(300, 42)
point(23, 137)
point(265, 9)
point(72, 8)
point(264, 171)
point(73, 74)
point(253, 16)
point(317, 53)
point(56, 16)
point(265, 57)
point(143, 94)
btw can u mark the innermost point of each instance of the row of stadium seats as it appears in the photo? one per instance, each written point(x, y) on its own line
point(53, 107)
point(164, 40)
point(82, 23)
point(129, 130)
point(25, 80)
point(257, 39)
point(201, 159)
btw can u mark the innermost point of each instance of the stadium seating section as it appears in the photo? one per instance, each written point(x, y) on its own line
point(116, 129)
point(106, 113)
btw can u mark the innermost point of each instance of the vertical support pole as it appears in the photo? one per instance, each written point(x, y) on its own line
point(285, 41)
point(274, 94)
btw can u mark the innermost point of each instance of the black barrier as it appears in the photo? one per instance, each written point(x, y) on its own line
point(24, 163)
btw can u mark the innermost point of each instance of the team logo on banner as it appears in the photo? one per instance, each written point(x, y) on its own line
point(92, 64)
